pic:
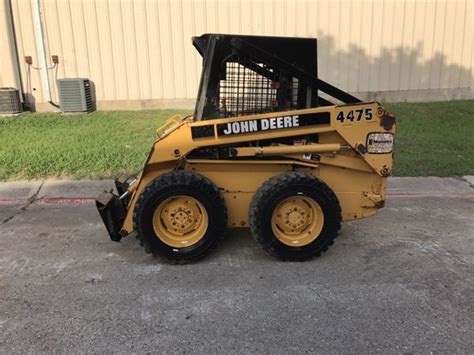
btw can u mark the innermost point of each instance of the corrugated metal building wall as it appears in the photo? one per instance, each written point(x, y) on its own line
point(139, 54)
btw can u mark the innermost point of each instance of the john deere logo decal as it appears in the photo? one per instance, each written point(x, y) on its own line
point(261, 125)
point(271, 124)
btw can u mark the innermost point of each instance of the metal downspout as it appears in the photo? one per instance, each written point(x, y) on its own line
point(41, 51)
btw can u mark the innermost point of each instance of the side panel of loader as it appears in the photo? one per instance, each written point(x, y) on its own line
point(357, 177)
point(247, 178)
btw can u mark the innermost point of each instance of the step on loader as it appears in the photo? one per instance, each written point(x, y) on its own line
point(270, 146)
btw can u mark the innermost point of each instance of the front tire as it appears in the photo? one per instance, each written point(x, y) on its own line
point(180, 215)
point(295, 216)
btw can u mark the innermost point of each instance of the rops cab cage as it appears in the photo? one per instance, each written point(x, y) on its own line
point(245, 75)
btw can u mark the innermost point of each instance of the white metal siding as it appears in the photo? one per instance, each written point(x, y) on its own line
point(141, 49)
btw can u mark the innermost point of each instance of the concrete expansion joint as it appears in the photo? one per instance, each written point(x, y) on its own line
point(469, 180)
point(32, 199)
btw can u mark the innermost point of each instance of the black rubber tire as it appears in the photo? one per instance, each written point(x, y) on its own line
point(180, 183)
point(280, 187)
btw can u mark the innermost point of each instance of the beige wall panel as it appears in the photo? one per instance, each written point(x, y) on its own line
point(141, 49)
point(448, 43)
point(468, 46)
point(364, 45)
point(376, 47)
point(301, 18)
point(110, 72)
point(470, 26)
point(353, 51)
point(211, 15)
point(418, 43)
point(178, 42)
point(91, 33)
point(267, 16)
point(429, 30)
point(246, 16)
point(290, 14)
point(386, 28)
point(119, 48)
point(333, 15)
point(325, 42)
point(131, 55)
point(235, 16)
point(344, 56)
point(65, 33)
point(396, 43)
point(7, 74)
point(154, 52)
point(27, 47)
point(191, 55)
point(438, 61)
point(457, 43)
point(142, 44)
point(407, 31)
point(165, 23)
point(312, 18)
point(200, 26)
point(80, 40)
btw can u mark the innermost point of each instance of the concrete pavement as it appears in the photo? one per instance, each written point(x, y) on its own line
point(399, 282)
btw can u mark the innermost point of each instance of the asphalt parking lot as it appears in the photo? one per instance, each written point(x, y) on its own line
point(400, 282)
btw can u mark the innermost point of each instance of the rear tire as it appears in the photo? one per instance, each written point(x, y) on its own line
point(180, 215)
point(295, 216)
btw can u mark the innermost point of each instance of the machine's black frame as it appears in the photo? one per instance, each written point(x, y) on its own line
point(296, 57)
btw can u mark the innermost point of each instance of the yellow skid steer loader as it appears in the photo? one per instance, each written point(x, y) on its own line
point(270, 146)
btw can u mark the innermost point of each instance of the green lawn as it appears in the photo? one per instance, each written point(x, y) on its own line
point(95, 145)
point(433, 139)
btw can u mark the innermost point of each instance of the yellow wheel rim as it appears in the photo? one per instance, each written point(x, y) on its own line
point(297, 221)
point(180, 221)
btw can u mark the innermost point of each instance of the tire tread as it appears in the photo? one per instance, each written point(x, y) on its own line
point(181, 178)
point(279, 183)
